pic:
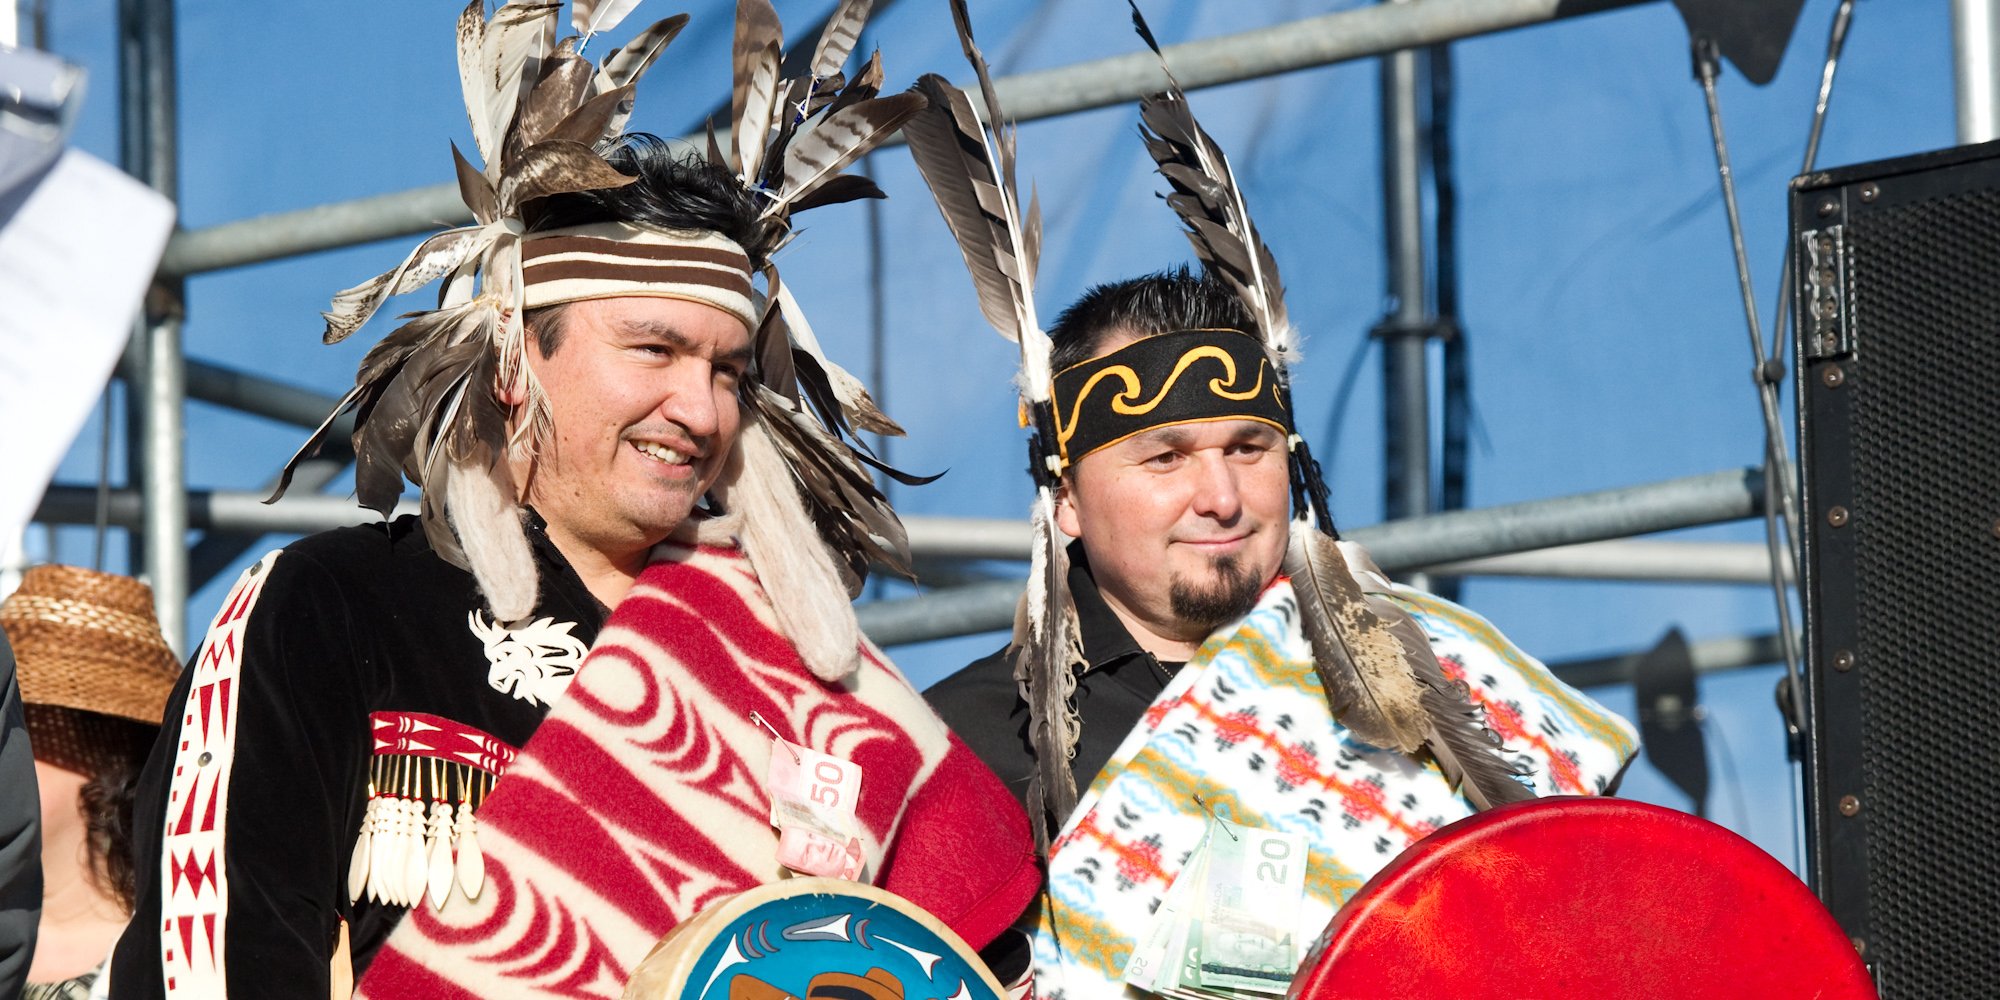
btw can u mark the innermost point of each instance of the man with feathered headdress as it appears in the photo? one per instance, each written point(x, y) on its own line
point(1196, 650)
point(502, 747)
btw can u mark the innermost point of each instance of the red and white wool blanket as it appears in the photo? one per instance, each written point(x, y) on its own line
point(641, 799)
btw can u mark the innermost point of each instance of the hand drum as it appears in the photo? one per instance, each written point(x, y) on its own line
point(812, 937)
point(1572, 897)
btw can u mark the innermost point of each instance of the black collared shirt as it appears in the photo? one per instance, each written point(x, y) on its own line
point(982, 703)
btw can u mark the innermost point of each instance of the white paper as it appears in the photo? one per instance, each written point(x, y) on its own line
point(75, 260)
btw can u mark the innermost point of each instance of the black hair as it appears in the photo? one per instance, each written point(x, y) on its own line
point(674, 191)
point(109, 752)
point(1147, 306)
point(107, 801)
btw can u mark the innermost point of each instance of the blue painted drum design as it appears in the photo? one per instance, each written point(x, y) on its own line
point(813, 939)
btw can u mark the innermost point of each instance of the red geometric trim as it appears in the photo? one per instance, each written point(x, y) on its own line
point(193, 872)
point(421, 734)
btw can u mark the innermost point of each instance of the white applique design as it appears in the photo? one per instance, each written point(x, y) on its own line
point(533, 662)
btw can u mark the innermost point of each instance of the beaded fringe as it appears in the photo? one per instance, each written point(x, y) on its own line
point(418, 836)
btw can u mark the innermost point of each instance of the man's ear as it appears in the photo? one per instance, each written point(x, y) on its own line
point(1066, 519)
point(514, 393)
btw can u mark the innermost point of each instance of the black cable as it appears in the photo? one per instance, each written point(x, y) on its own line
point(1707, 64)
point(1843, 17)
point(1784, 484)
point(1726, 757)
point(1343, 393)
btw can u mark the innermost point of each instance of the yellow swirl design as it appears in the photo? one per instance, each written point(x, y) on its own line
point(1124, 402)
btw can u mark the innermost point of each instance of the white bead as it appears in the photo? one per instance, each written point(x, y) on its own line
point(471, 864)
point(437, 862)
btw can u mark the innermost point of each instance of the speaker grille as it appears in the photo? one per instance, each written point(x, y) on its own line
point(1926, 508)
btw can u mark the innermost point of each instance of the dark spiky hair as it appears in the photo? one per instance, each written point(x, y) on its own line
point(1178, 298)
point(676, 191)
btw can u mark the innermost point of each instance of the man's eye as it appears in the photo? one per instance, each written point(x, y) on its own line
point(1164, 458)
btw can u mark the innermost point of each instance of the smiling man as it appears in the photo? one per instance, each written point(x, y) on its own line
point(642, 389)
point(1196, 688)
point(1176, 490)
point(1206, 660)
point(609, 675)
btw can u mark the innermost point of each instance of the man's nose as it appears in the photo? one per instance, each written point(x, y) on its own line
point(1215, 494)
point(690, 399)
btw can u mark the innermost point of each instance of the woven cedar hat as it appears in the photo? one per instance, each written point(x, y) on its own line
point(89, 641)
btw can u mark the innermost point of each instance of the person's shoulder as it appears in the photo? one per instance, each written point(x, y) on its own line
point(375, 545)
point(342, 572)
point(376, 556)
point(982, 704)
point(978, 701)
point(985, 684)
point(306, 624)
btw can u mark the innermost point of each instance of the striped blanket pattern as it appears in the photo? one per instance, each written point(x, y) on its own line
point(640, 800)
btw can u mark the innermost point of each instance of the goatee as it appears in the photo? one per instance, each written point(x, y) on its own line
point(1230, 595)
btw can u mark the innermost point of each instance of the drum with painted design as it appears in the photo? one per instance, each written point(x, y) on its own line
point(812, 939)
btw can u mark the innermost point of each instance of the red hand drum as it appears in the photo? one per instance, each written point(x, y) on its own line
point(1585, 898)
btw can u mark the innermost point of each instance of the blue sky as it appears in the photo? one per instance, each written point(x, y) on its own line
point(1597, 290)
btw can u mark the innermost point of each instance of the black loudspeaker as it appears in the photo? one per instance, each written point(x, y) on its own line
point(1897, 294)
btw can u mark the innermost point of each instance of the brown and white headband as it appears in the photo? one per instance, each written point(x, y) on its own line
point(612, 259)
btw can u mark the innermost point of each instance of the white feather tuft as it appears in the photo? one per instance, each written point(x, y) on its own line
point(1043, 525)
point(590, 18)
point(792, 563)
point(488, 525)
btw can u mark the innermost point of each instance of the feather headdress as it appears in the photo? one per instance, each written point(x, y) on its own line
point(968, 162)
point(1373, 659)
point(789, 140)
point(542, 116)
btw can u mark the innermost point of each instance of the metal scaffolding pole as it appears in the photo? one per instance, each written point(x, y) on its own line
point(270, 398)
point(968, 537)
point(1729, 495)
point(260, 396)
point(234, 510)
point(1438, 540)
point(1467, 539)
point(1709, 655)
point(1975, 46)
point(1398, 545)
point(156, 396)
point(1405, 331)
point(1315, 41)
point(947, 548)
point(221, 545)
point(1740, 563)
point(941, 614)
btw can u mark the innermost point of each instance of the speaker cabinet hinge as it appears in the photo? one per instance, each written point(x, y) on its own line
point(1826, 313)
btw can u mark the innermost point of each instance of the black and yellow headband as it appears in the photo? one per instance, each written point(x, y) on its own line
point(1183, 377)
